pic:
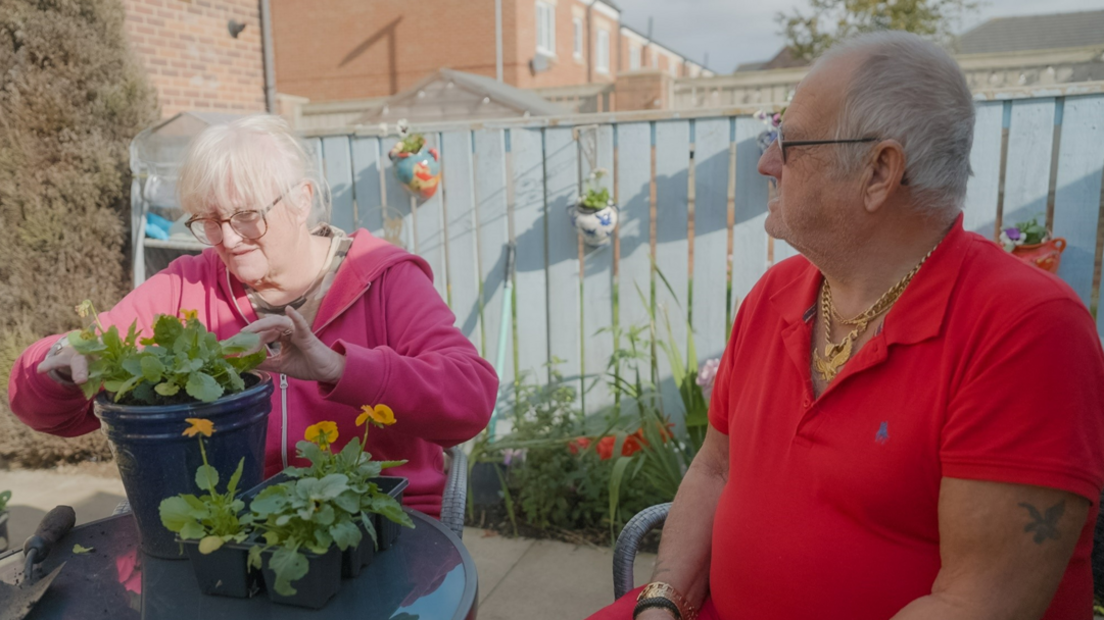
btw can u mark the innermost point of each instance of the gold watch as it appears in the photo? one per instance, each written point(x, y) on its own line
point(659, 589)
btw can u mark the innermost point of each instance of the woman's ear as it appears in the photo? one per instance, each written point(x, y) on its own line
point(304, 201)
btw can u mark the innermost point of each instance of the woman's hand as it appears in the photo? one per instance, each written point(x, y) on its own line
point(302, 355)
point(69, 366)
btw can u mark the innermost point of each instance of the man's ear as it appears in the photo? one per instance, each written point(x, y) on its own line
point(883, 175)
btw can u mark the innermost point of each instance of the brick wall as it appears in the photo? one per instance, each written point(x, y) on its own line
point(190, 57)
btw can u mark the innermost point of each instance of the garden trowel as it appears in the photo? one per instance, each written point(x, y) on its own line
point(17, 599)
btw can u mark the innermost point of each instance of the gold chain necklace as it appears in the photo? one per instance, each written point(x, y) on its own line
point(837, 354)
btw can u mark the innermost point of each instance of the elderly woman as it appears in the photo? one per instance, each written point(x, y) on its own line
point(354, 320)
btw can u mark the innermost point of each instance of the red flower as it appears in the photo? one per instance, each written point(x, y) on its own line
point(578, 445)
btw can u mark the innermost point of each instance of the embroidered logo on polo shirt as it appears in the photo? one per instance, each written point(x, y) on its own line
point(883, 434)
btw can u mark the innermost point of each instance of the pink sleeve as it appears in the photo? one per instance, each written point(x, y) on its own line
point(428, 373)
point(50, 407)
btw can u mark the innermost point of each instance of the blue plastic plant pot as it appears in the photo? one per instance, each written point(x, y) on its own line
point(157, 461)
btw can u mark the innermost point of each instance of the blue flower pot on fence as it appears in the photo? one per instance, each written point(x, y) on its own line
point(157, 461)
point(419, 173)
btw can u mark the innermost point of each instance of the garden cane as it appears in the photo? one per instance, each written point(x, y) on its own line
point(19, 598)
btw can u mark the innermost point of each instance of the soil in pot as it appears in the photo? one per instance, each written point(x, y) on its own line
point(313, 590)
point(225, 571)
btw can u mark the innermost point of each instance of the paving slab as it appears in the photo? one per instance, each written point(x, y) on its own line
point(36, 491)
point(494, 556)
point(557, 580)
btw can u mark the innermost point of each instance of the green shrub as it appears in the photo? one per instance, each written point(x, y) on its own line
point(71, 99)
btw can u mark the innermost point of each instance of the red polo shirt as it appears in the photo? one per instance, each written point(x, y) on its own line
point(985, 369)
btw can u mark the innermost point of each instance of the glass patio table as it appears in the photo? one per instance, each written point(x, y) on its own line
point(426, 575)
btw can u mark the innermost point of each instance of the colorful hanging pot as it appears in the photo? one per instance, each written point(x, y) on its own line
point(419, 173)
point(1046, 255)
point(595, 225)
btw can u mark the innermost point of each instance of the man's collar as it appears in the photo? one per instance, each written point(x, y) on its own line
point(917, 315)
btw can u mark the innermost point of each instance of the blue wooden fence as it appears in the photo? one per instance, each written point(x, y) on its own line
point(691, 200)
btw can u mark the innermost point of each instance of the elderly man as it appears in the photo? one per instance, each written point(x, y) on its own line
point(907, 423)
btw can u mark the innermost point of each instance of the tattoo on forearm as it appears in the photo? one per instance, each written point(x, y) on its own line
point(1044, 525)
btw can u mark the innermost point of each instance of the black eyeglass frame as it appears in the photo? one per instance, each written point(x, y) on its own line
point(262, 212)
point(783, 144)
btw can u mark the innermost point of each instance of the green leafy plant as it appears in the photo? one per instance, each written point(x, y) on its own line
point(595, 196)
point(214, 518)
point(307, 513)
point(355, 464)
point(5, 497)
point(323, 504)
point(182, 361)
point(411, 143)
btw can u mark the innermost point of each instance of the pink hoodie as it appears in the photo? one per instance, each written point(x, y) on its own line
point(382, 312)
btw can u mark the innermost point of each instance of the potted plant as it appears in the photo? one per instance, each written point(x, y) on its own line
point(212, 527)
point(594, 214)
point(5, 496)
point(417, 168)
point(380, 512)
point(306, 523)
point(772, 120)
point(1031, 242)
point(182, 371)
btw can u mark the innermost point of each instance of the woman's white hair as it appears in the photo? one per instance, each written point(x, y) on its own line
point(912, 91)
point(248, 163)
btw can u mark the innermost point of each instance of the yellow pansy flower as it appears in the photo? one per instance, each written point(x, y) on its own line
point(199, 426)
point(188, 315)
point(323, 433)
point(380, 415)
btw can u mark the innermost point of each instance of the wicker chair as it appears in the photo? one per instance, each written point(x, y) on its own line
point(628, 543)
point(452, 505)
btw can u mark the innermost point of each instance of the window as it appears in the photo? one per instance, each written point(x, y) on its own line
point(634, 57)
point(655, 59)
point(546, 29)
point(578, 27)
point(672, 65)
point(602, 60)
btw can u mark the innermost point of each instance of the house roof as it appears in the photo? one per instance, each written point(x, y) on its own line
point(666, 47)
point(1034, 32)
point(451, 95)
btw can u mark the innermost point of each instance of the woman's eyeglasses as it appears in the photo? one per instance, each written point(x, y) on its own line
point(250, 224)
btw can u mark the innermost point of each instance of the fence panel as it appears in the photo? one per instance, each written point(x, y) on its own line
point(561, 186)
point(338, 167)
point(429, 229)
point(983, 188)
point(459, 200)
point(710, 284)
point(527, 149)
point(396, 200)
point(494, 235)
point(1027, 172)
point(672, 143)
point(634, 175)
point(596, 147)
point(1080, 163)
point(366, 185)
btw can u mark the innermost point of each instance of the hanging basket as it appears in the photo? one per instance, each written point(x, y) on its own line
point(419, 173)
point(595, 225)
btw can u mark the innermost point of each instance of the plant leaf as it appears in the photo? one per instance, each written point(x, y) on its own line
point(203, 387)
point(289, 565)
point(235, 478)
point(345, 534)
point(240, 343)
point(210, 544)
point(167, 389)
point(175, 513)
point(79, 549)
point(152, 368)
point(207, 478)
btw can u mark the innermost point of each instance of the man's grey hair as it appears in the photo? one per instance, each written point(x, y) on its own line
point(912, 91)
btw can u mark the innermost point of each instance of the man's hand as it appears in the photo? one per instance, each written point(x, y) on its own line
point(1004, 550)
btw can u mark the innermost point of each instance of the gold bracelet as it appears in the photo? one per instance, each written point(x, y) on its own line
point(659, 589)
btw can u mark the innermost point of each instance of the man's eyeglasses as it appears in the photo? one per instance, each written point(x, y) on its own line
point(784, 144)
point(250, 224)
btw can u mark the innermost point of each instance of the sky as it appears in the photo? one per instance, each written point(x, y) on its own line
point(738, 31)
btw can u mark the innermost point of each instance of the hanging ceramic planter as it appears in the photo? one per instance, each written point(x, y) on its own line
point(417, 168)
point(594, 214)
point(1033, 243)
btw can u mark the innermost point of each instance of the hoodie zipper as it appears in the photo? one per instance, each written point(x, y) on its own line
point(283, 420)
